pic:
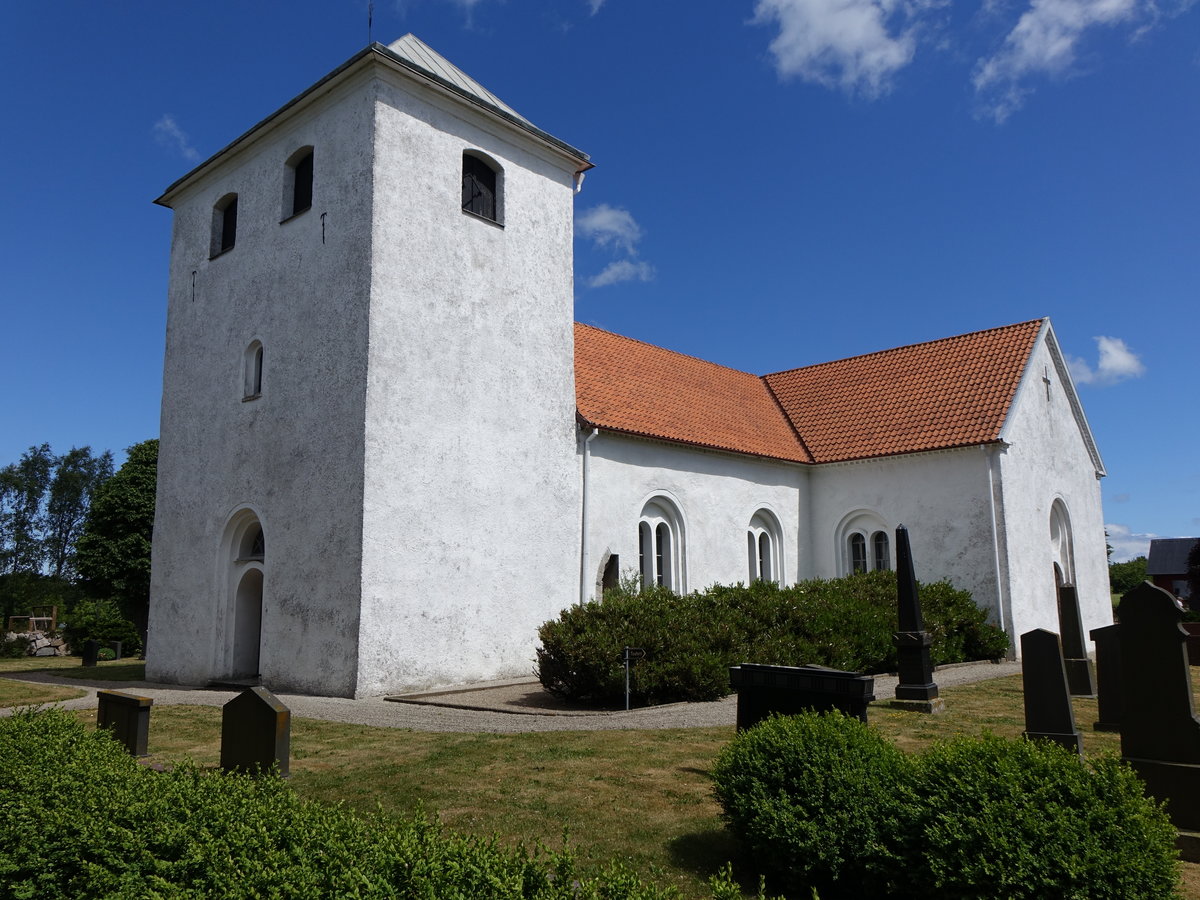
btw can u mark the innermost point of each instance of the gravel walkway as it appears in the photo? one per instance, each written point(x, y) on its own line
point(498, 707)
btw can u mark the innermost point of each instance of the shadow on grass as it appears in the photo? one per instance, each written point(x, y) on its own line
point(705, 852)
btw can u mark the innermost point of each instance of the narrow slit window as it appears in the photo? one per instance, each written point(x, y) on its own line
point(225, 215)
point(298, 183)
point(253, 371)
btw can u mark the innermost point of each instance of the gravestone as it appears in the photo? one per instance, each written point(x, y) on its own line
point(1108, 677)
point(1048, 714)
point(91, 650)
point(1080, 678)
point(127, 716)
point(787, 690)
point(256, 732)
point(916, 689)
point(1160, 734)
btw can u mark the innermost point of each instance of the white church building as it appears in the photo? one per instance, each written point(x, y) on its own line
point(388, 454)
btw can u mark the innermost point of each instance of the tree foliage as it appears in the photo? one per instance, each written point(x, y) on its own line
point(1125, 576)
point(44, 499)
point(113, 552)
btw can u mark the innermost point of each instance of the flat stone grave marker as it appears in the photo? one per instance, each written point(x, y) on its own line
point(1048, 714)
point(787, 690)
point(256, 732)
point(127, 716)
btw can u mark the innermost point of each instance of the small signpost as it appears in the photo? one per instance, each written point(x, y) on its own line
point(630, 655)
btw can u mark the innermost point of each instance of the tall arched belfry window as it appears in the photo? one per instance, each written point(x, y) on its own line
point(482, 187)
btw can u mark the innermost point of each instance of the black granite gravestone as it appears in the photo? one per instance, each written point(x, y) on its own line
point(256, 732)
point(91, 651)
point(916, 688)
point(1160, 734)
point(127, 716)
point(1048, 714)
point(787, 690)
point(1080, 678)
point(1108, 677)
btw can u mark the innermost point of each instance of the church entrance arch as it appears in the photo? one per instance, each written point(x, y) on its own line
point(244, 561)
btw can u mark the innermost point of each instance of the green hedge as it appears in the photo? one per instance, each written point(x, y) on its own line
point(79, 817)
point(691, 641)
point(824, 802)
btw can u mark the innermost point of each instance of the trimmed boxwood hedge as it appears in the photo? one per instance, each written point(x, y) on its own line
point(691, 641)
point(824, 802)
point(79, 817)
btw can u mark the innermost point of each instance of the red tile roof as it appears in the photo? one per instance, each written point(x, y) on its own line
point(948, 393)
point(626, 385)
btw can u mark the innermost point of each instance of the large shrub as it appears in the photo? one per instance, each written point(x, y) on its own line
point(99, 620)
point(690, 641)
point(821, 800)
point(81, 818)
point(821, 803)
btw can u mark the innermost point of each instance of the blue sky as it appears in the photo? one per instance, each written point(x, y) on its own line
point(778, 183)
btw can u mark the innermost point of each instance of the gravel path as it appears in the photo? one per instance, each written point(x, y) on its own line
point(498, 707)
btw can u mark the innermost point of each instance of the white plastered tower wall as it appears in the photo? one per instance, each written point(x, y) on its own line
point(415, 355)
point(293, 456)
point(471, 522)
point(716, 495)
point(1051, 458)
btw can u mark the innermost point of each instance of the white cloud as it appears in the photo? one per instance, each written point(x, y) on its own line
point(169, 134)
point(615, 229)
point(1117, 363)
point(622, 270)
point(1125, 543)
point(609, 226)
point(841, 43)
point(595, 5)
point(1043, 42)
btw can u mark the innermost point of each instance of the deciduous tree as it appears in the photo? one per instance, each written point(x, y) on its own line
point(113, 553)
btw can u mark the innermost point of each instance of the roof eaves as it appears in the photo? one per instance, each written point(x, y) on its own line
point(650, 436)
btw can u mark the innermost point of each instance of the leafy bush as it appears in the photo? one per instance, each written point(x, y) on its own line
point(81, 818)
point(14, 647)
point(824, 802)
point(691, 641)
point(100, 620)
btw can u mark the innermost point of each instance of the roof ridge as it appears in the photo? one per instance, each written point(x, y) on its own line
point(944, 340)
point(707, 362)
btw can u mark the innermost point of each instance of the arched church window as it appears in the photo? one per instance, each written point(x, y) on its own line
point(881, 555)
point(660, 545)
point(482, 183)
point(858, 553)
point(224, 228)
point(763, 547)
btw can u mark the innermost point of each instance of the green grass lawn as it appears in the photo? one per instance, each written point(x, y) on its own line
point(641, 796)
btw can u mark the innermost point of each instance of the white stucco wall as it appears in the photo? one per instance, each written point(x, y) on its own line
point(471, 519)
point(716, 495)
point(942, 498)
point(294, 455)
point(1047, 459)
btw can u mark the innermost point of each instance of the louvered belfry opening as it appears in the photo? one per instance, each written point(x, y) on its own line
point(478, 188)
